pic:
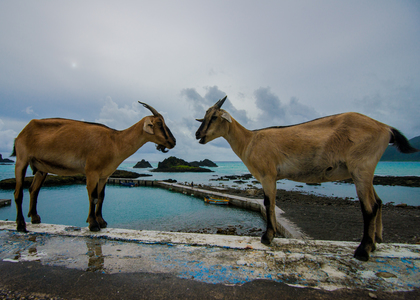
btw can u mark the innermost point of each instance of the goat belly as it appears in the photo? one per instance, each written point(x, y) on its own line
point(318, 174)
point(54, 167)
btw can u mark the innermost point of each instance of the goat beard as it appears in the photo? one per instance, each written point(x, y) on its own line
point(161, 148)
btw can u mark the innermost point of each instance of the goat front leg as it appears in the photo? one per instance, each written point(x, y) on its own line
point(270, 205)
point(98, 214)
point(37, 182)
point(92, 188)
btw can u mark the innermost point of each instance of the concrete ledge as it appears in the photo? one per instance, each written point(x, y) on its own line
point(214, 258)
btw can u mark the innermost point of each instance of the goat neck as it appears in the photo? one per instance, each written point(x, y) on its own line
point(131, 139)
point(238, 138)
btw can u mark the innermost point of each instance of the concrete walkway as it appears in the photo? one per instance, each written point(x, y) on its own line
point(215, 259)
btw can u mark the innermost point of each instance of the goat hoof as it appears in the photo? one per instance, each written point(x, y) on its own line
point(266, 239)
point(94, 227)
point(361, 254)
point(36, 219)
point(102, 223)
point(21, 227)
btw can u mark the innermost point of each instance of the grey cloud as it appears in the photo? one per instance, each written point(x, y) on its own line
point(395, 105)
point(213, 94)
point(274, 113)
point(269, 103)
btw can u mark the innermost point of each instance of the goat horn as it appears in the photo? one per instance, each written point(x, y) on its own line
point(220, 102)
point(154, 111)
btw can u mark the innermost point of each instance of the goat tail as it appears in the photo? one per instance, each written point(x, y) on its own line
point(14, 149)
point(401, 143)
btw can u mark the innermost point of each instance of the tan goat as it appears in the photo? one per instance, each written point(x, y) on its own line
point(337, 147)
point(69, 147)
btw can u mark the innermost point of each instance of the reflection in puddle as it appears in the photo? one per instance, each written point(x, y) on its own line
point(96, 259)
point(32, 253)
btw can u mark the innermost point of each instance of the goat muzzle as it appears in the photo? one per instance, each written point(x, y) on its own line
point(199, 137)
point(161, 148)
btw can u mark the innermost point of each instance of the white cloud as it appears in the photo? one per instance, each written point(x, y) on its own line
point(29, 111)
point(7, 138)
point(121, 117)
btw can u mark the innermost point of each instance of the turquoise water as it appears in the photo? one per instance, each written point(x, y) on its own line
point(158, 209)
point(143, 208)
point(396, 194)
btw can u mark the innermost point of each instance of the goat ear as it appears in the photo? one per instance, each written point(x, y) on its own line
point(148, 126)
point(227, 117)
point(199, 120)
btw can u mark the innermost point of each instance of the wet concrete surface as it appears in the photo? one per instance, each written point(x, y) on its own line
point(72, 262)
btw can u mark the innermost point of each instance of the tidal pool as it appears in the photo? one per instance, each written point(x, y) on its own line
point(141, 208)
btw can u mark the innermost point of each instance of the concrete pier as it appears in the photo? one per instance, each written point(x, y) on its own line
point(212, 258)
point(285, 228)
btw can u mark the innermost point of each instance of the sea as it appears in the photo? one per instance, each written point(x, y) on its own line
point(158, 209)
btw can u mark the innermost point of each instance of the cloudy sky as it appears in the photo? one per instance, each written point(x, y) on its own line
point(279, 62)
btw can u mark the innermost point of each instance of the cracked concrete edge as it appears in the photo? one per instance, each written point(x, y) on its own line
point(327, 248)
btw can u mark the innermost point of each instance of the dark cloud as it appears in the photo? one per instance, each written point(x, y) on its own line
point(274, 113)
point(200, 104)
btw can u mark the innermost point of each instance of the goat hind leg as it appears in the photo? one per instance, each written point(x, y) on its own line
point(369, 210)
point(37, 182)
point(92, 188)
point(98, 212)
point(379, 227)
point(20, 171)
point(270, 206)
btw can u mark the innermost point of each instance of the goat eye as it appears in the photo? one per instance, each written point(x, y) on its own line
point(214, 117)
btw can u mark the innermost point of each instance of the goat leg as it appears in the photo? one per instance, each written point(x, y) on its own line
point(269, 202)
point(37, 182)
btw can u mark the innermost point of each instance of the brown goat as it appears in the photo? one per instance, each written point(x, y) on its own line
point(69, 147)
point(337, 147)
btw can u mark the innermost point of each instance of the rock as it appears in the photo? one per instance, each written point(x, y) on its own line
point(252, 192)
point(143, 164)
point(239, 181)
point(127, 174)
point(53, 180)
point(203, 163)
point(386, 275)
point(5, 160)
point(170, 180)
point(412, 181)
point(173, 164)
